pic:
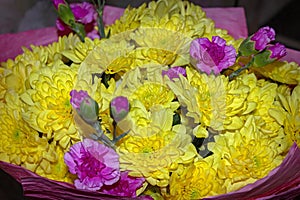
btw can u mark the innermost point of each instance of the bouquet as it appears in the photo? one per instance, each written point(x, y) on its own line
point(159, 105)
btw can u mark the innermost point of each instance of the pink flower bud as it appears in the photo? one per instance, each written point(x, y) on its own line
point(269, 55)
point(257, 42)
point(119, 108)
point(263, 37)
point(278, 51)
point(86, 107)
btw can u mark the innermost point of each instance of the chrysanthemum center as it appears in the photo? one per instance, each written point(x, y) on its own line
point(152, 94)
point(17, 134)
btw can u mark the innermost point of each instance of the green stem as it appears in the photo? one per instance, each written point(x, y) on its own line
point(101, 26)
point(102, 137)
point(115, 137)
point(100, 22)
point(238, 71)
point(99, 135)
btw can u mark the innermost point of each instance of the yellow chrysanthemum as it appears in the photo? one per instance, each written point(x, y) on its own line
point(287, 114)
point(153, 147)
point(213, 101)
point(264, 94)
point(15, 76)
point(80, 50)
point(53, 166)
point(243, 157)
point(15, 73)
point(196, 181)
point(146, 84)
point(3, 86)
point(48, 107)
point(145, 35)
point(19, 143)
point(54, 51)
point(39, 56)
point(281, 71)
point(127, 50)
point(175, 15)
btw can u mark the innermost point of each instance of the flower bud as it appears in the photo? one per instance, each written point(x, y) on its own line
point(86, 107)
point(119, 108)
point(269, 55)
point(278, 51)
point(89, 110)
point(263, 37)
point(257, 42)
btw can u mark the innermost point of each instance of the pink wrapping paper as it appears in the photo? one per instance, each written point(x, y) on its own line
point(283, 182)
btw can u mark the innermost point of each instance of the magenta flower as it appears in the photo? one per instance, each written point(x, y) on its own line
point(84, 12)
point(57, 2)
point(119, 108)
point(94, 164)
point(277, 51)
point(174, 72)
point(125, 187)
point(263, 37)
point(212, 56)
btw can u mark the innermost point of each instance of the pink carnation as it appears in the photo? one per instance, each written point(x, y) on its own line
point(94, 164)
point(125, 187)
point(84, 12)
point(212, 56)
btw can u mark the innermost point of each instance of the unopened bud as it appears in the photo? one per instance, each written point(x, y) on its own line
point(119, 108)
point(86, 107)
point(269, 55)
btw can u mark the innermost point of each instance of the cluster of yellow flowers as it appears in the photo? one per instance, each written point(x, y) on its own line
point(247, 124)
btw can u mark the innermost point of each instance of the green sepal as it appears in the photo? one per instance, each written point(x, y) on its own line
point(65, 14)
point(247, 48)
point(89, 110)
point(79, 30)
point(262, 59)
